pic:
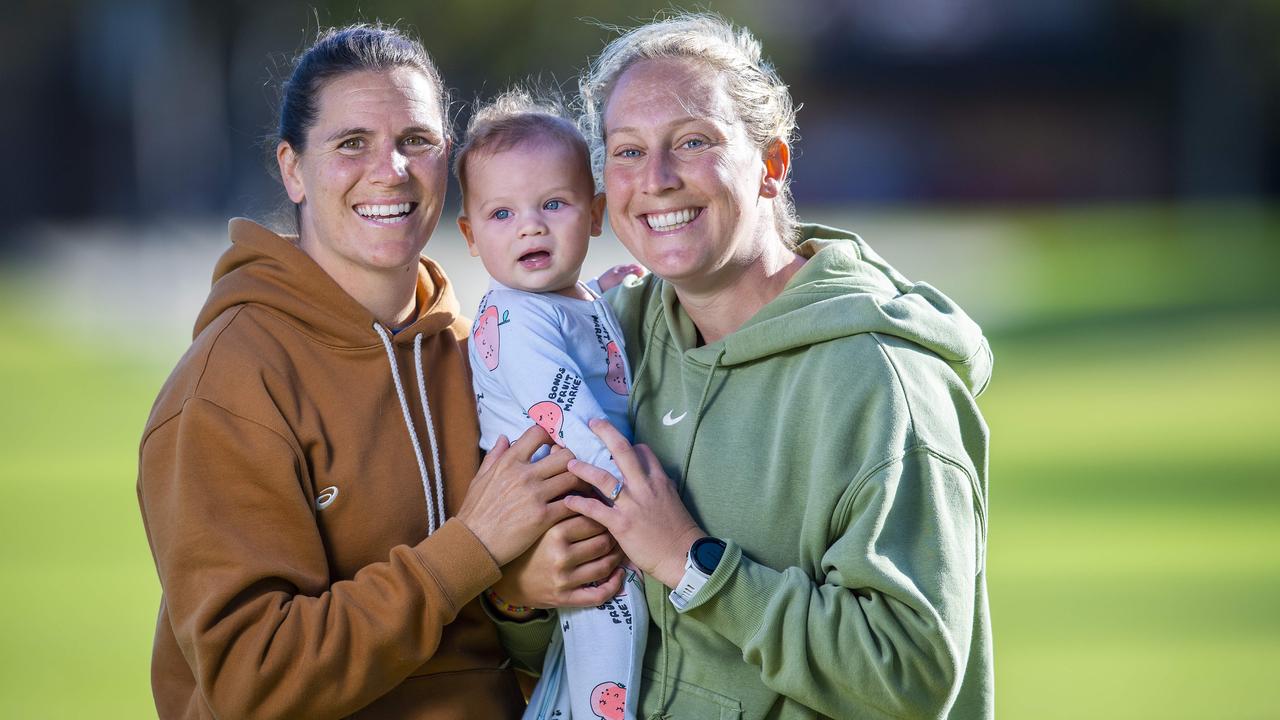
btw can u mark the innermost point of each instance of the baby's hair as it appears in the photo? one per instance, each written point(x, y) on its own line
point(515, 117)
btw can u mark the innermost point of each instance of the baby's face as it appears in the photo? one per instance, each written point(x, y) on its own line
point(528, 214)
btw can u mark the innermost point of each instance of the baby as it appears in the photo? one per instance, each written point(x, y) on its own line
point(545, 348)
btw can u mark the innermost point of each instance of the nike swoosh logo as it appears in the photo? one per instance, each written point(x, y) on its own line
point(668, 420)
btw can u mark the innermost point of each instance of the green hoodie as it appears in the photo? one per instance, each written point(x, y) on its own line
point(834, 443)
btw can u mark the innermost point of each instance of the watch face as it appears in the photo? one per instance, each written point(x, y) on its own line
point(706, 554)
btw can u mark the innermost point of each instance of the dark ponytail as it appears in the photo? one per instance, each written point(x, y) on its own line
point(339, 51)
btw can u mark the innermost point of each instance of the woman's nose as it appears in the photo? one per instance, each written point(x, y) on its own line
point(392, 167)
point(661, 174)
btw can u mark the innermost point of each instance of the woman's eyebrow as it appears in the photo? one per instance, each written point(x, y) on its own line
point(419, 130)
point(348, 131)
point(676, 123)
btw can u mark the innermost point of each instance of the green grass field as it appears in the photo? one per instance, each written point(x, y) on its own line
point(1133, 558)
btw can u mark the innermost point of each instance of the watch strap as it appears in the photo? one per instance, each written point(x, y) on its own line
point(693, 580)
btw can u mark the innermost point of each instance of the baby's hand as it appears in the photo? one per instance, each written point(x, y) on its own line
point(614, 276)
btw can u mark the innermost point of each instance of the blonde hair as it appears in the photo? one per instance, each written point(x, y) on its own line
point(760, 98)
point(517, 116)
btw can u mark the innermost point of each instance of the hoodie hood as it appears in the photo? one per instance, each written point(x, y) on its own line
point(270, 270)
point(844, 289)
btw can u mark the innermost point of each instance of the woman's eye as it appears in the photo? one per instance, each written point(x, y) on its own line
point(352, 144)
point(628, 153)
point(415, 140)
point(553, 205)
point(501, 214)
point(694, 143)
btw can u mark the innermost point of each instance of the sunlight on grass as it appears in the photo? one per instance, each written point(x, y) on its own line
point(78, 644)
point(1132, 559)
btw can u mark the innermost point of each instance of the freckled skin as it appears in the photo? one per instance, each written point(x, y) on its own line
point(616, 378)
point(608, 700)
point(550, 416)
point(487, 338)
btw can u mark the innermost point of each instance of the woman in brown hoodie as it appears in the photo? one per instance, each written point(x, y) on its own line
point(309, 476)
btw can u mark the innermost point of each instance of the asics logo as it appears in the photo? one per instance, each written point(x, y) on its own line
point(668, 420)
point(326, 497)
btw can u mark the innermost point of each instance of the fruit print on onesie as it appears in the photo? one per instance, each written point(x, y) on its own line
point(608, 700)
point(616, 378)
point(551, 417)
point(486, 336)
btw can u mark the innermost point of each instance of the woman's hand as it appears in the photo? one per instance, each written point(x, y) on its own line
point(561, 567)
point(614, 276)
point(512, 501)
point(648, 519)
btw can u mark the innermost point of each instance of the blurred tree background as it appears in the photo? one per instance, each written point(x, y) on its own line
point(137, 109)
point(1094, 180)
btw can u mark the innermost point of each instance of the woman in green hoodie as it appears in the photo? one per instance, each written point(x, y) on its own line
point(819, 548)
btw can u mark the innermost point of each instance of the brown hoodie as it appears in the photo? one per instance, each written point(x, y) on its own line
point(288, 510)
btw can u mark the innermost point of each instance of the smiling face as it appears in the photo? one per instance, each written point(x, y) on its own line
point(550, 417)
point(689, 193)
point(370, 182)
point(529, 212)
point(609, 701)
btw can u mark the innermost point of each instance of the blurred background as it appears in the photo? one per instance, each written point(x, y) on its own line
point(1096, 181)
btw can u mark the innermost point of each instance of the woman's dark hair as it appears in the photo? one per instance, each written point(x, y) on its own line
point(339, 51)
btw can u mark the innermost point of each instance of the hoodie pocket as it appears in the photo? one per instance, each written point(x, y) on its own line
point(687, 701)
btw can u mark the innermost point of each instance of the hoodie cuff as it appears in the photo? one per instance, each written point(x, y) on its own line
point(526, 641)
point(734, 600)
point(458, 562)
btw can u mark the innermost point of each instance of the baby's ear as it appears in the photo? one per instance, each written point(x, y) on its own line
point(597, 214)
point(464, 225)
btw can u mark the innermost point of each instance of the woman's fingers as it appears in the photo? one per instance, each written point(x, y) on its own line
point(648, 461)
point(512, 502)
point(528, 443)
point(592, 596)
point(595, 571)
point(555, 462)
point(500, 446)
point(610, 436)
point(577, 529)
point(591, 507)
point(602, 480)
point(648, 520)
point(593, 547)
point(556, 487)
point(623, 454)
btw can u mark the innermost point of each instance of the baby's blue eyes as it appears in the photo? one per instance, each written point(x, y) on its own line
point(507, 214)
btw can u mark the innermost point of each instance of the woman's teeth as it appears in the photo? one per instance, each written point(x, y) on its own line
point(672, 220)
point(384, 213)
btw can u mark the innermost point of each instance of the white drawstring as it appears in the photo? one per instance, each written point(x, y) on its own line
point(431, 426)
point(408, 423)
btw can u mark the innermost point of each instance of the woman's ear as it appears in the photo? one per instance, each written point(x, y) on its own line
point(777, 162)
point(597, 214)
point(288, 159)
